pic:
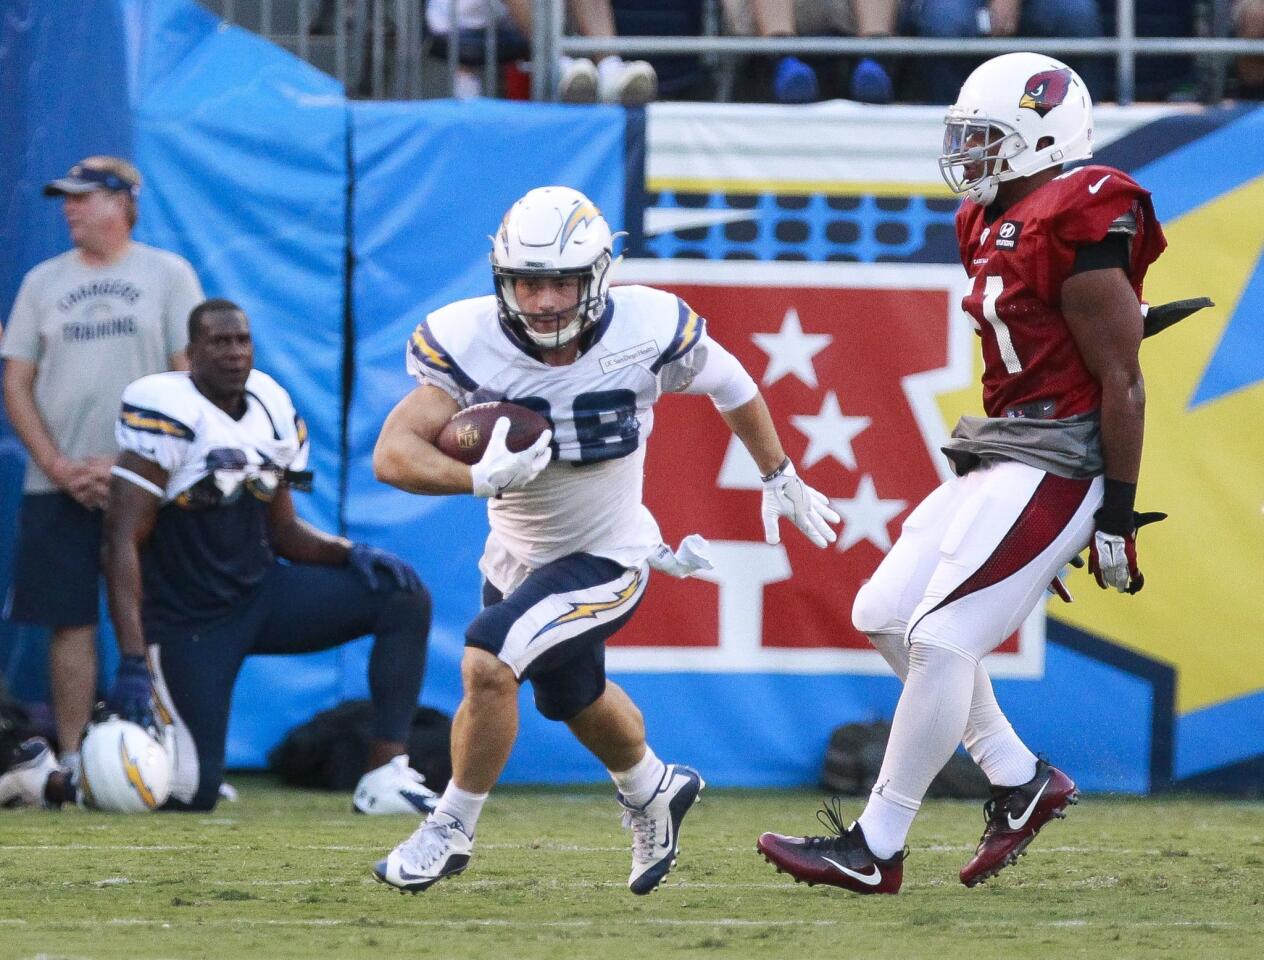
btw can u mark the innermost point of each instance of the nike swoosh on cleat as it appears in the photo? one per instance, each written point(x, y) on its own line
point(869, 880)
point(1020, 822)
point(1098, 185)
point(405, 875)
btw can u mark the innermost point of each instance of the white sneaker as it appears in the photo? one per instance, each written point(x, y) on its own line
point(577, 80)
point(394, 787)
point(22, 783)
point(656, 826)
point(629, 82)
point(439, 848)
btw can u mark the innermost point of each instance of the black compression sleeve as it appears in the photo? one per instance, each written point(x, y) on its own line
point(1110, 251)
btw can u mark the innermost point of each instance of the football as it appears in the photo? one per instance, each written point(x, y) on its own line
point(465, 436)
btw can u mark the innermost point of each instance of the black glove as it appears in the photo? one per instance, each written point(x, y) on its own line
point(132, 695)
point(367, 561)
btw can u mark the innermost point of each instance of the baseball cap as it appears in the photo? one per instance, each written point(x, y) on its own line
point(96, 173)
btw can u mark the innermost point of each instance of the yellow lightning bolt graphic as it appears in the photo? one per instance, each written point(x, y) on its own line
point(134, 778)
point(583, 611)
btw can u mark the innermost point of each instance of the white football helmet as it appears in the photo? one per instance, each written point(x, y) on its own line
point(1016, 115)
point(553, 232)
point(123, 768)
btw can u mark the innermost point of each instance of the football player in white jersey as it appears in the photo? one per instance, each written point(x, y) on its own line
point(571, 543)
point(200, 509)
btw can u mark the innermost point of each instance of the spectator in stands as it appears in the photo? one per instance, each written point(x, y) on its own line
point(611, 79)
point(942, 77)
point(1248, 23)
point(793, 80)
point(85, 324)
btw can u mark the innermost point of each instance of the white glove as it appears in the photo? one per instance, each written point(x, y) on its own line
point(785, 495)
point(689, 558)
point(502, 470)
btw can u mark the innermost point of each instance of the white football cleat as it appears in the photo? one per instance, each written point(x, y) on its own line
point(22, 782)
point(439, 848)
point(394, 787)
point(656, 826)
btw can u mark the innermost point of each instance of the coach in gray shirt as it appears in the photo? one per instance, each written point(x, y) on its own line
point(84, 325)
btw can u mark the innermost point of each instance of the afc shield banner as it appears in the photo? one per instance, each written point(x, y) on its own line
point(851, 359)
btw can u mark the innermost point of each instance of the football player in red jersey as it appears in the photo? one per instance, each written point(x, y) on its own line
point(1057, 260)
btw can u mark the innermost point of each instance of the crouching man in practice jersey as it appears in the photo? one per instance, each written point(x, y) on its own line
point(199, 513)
point(1057, 261)
point(568, 556)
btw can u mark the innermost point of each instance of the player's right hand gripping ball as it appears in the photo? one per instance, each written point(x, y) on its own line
point(500, 461)
point(466, 435)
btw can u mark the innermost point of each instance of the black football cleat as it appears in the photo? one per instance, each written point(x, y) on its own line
point(841, 860)
point(1014, 816)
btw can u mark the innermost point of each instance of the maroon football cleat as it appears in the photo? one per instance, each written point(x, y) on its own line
point(842, 860)
point(1014, 816)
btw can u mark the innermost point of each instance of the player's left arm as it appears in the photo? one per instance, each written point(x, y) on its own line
point(1105, 319)
point(296, 540)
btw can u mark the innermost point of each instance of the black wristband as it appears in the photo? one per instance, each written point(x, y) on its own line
point(1116, 515)
point(781, 468)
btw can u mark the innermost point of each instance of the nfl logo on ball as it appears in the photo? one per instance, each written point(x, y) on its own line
point(467, 437)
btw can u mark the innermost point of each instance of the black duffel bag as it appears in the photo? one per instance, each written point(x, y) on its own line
point(329, 751)
point(854, 758)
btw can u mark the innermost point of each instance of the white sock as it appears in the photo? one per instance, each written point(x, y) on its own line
point(886, 822)
point(638, 782)
point(992, 741)
point(69, 761)
point(929, 721)
point(989, 738)
point(462, 806)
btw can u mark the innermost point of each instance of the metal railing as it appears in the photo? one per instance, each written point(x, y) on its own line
point(359, 32)
point(1125, 47)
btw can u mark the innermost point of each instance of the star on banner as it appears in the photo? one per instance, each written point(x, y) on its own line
point(790, 350)
point(830, 433)
point(865, 516)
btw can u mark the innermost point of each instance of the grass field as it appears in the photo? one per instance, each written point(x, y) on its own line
point(284, 873)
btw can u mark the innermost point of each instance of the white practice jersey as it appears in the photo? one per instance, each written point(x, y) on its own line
point(206, 453)
point(210, 545)
point(588, 499)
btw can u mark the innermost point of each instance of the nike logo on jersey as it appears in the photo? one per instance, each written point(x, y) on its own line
point(1017, 823)
point(1094, 187)
point(868, 879)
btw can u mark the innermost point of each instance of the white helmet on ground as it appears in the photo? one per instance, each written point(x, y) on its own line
point(1016, 115)
point(124, 768)
point(553, 232)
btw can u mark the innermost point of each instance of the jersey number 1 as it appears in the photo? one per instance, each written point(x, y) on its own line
point(992, 288)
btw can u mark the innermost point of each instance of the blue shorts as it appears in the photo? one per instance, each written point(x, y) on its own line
point(553, 629)
point(57, 567)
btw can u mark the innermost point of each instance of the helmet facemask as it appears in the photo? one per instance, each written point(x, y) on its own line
point(591, 286)
point(976, 154)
